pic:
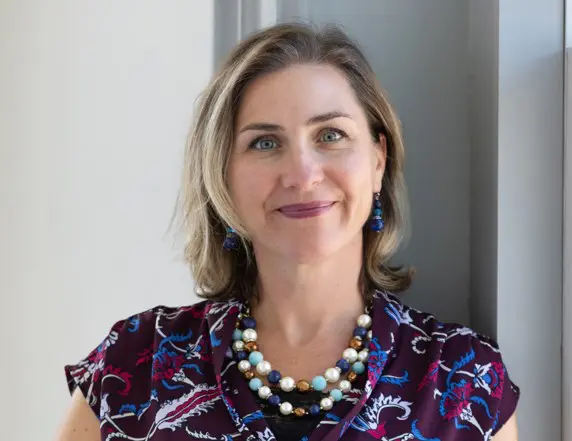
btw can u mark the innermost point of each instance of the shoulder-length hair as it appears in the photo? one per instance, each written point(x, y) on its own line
point(204, 207)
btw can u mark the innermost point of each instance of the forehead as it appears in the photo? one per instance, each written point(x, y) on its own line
point(297, 93)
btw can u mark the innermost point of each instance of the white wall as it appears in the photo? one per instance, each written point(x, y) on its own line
point(96, 103)
point(530, 139)
point(419, 52)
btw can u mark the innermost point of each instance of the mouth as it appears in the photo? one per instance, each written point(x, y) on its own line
point(310, 209)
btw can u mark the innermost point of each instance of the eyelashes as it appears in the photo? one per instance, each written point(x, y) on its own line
point(331, 130)
point(256, 144)
point(267, 142)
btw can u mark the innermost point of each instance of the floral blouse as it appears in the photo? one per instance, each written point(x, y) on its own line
point(168, 374)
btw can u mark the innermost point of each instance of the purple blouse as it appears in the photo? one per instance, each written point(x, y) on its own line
point(168, 374)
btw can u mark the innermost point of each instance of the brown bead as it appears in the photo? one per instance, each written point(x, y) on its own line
point(299, 412)
point(356, 343)
point(303, 386)
point(249, 375)
point(251, 346)
point(352, 376)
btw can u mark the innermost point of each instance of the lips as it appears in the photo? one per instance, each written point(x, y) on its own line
point(310, 209)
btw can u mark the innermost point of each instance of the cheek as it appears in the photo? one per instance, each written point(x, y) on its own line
point(356, 177)
point(247, 187)
point(358, 172)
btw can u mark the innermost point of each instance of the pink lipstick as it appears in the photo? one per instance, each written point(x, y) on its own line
point(310, 209)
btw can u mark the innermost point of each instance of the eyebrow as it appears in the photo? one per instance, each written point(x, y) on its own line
point(323, 117)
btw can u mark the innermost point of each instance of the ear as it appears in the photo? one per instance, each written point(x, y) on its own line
point(380, 161)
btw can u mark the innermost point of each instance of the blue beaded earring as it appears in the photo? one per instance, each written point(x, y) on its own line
point(230, 240)
point(376, 222)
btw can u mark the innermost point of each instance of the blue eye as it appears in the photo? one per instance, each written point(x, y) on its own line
point(263, 144)
point(331, 135)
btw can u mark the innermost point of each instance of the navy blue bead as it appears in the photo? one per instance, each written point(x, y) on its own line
point(241, 355)
point(314, 410)
point(230, 243)
point(344, 365)
point(274, 377)
point(274, 400)
point(248, 323)
point(377, 204)
point(360, 332)
point(377, 225)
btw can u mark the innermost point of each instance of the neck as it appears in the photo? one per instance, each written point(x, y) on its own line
point(301, 303)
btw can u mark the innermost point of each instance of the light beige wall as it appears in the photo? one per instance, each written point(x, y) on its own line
point(95, 103)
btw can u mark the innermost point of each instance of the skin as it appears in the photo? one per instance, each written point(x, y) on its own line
point(301, 135)
point(80, 423)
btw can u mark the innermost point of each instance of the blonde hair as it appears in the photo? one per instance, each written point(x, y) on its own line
point(204, 207)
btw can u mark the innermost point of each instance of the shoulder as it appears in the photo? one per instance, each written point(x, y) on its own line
point(460, 370)
point(427, 334)
point(162, 318)
point(141, 329)
point(145, 346)
point(151, 326)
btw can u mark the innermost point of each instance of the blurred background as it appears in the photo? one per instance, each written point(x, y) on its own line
point(96, 99)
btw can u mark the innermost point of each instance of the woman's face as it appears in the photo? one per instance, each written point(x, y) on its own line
point(304, 166)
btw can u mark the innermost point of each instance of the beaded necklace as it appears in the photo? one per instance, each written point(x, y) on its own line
point(251, 363)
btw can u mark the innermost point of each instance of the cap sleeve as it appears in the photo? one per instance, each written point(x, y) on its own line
point(493, 383)
point(109, 368)
point(475, 392)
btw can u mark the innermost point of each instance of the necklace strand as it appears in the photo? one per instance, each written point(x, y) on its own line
point(251, 362)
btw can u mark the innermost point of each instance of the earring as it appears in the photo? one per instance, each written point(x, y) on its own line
point(376, 222)
point(230, 240)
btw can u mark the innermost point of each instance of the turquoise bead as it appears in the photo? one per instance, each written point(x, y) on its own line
point(237, 335)
point(377, 211)
point(255, 384)
point(358, 367)
point(319, 383)
point(336, 394)
point(255, 357)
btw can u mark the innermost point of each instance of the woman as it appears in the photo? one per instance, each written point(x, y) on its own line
point(293, 203)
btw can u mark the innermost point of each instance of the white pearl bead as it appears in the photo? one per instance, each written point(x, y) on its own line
point(363, 355)
point(264, 392)
point(286, 408)
point(287, 384)
point(364, 321)
point(244, 366)
point(369, 335)
point(350, 355)
point(326, 403)
point(332, 375)
point(345, 386)
point(263, 368)
point(238, 346)
point(249, 335)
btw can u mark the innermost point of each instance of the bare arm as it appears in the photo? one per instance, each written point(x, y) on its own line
point(80, 423)
point(508, 432)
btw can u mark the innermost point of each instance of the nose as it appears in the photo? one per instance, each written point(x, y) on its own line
point(302, 168)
